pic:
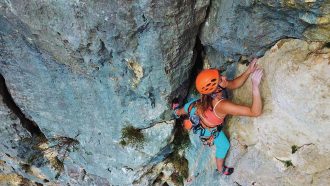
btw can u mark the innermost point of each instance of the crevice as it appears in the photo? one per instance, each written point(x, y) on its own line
point(181, 137)
point(28, 124)
point(199, 54)
point(238, 184)
point(207, 13)
point(198, 61)
point(295, 148)
point(198, 51)
point(38, 149)
point(154, 124)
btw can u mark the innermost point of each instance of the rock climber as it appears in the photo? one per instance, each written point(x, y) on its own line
point(207, 114)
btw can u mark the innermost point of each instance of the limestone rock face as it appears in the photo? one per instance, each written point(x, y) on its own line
point(84, 70)
point(236, 28)
point(288, 143)
point(293, 131)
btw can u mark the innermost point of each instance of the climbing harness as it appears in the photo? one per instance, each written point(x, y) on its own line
point(192, 121)
point(208, 140)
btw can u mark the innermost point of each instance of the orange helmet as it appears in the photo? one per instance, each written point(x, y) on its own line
point(207, 81)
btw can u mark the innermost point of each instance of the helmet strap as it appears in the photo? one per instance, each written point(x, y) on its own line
point(214, 95)
point(221, 87)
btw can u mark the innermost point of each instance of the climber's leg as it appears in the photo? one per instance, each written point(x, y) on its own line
point(222, 146)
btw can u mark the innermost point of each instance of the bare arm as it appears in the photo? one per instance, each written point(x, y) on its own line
point(228, 107)
point(239, 81)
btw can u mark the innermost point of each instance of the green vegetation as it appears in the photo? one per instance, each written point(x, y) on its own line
point(58, 165)
point(132, 136)
point(176, 179)
point(180, 142)
point(287, 163)
point(294, 148)
point(181, 138)
point(180, 164)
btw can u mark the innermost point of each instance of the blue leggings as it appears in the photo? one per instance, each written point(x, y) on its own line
point(221, 142)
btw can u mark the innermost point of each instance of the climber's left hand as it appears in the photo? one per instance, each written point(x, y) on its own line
point(253, 65)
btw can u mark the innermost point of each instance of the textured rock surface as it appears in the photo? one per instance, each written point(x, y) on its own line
point(236, 28)
point(85, 69)
point(293, 128)
point(288, 144)
point(23, 163)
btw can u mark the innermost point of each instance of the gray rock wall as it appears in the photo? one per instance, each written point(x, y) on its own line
point(248, 28)
point(84, 70)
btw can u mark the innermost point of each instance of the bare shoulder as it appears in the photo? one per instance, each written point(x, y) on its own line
point(228, 107)
point(223, 105)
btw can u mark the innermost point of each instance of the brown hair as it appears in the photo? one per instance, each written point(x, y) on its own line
point(204, 103)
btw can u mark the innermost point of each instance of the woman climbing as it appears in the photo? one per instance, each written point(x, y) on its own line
point(211, 109)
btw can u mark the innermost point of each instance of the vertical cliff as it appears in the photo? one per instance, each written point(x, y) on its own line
point(287, 144)
point(86, 87)
point(87, 71)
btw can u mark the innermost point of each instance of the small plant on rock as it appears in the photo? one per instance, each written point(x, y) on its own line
point(294, 148)
point(181, 139)
point(132, 136)
point(287, 163)
point(180, 164)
